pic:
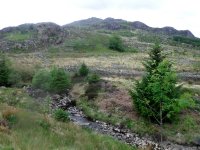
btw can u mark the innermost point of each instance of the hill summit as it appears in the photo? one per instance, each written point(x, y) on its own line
point(43, 35)
point(118, 24)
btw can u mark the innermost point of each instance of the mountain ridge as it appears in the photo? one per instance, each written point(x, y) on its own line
point(44, 34)
point(116, 24)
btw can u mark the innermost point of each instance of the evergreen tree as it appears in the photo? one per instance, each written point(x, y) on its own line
point(4, 71)
point(60, 80)
point(83, 70)
point(156, 96)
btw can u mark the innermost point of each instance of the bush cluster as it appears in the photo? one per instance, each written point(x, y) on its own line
point(14, 74)
point(93, 78)
point(56, 80)
point(61, 115)
point(116, 43)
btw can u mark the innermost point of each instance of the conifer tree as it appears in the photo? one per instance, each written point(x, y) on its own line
point(4, 71)
point(156, 96)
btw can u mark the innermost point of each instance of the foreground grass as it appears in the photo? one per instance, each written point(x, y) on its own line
point(35, 130)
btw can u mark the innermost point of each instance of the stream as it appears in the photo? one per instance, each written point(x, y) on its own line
point(125, 135)
point(122, 134)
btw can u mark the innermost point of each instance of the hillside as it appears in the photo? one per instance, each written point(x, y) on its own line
point(35, 37)
point(119, 24)
point(94, 108)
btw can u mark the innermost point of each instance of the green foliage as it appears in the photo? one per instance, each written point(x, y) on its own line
point(60, 80)
point(188, 124)
point(10, 116)
point(42, 80)
point(116, 43)
point(19, 36)
point(126, 33)
point(93, 78)
point(89, 42)
point(192, 41)
point(44, 123)
point(150, 38)
point(155, 58)
point(56, 80)
point(157, 97)
point(93, 87)
point(92, 90)
point(19, 98)
point(14, 79)
point(61, 115)
point(83, 70)
point(30, 134)
point(4, 71)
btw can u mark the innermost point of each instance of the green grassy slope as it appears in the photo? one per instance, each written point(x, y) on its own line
point(35, 130)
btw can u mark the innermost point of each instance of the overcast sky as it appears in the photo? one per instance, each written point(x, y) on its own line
point(181, 14)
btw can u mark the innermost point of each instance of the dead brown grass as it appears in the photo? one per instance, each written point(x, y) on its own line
point(117, 101)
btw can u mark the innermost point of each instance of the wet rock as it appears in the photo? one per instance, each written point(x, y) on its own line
point(116, 130)
point(196, 141)
point(63, 101)
point(36, 93)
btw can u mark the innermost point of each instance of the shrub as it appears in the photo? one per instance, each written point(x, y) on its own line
point(156, 96)
point(14, 79)
point(61, 115)
point(93, 87)
point(116, 43)
point(10, 116)
point(60, 80)
point(56, 80)
point(92, 91)
point(42, 80)
point(44, 123)
point(94, 78)
point(4, 71)
point(83, 71)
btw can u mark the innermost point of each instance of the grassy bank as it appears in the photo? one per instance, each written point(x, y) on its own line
point(34, 129)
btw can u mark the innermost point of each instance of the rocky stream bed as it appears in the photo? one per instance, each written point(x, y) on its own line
point(122, 134)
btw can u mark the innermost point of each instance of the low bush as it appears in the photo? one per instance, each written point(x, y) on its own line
point(44, 123)
point(42, 80)
point(116, 43)
point(93, 87)
point(84, 70)
point(61, 115)
point(93, 78)
point(56, 80)
point(15, 79)
point(60, 80)
point(10, 115)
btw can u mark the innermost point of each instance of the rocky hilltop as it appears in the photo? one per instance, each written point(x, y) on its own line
point(118, 24)
point(31, 36)
point(42, 35)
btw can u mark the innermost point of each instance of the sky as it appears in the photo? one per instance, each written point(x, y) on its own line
point(180, 14)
